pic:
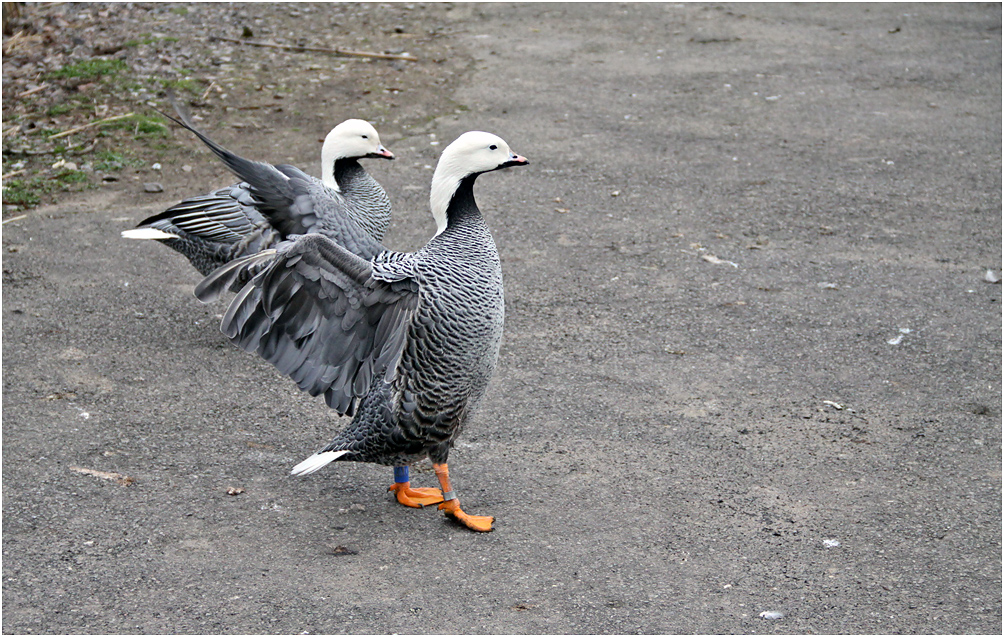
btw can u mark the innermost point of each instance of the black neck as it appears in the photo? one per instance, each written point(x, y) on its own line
point(462, 205)
point(346, 169)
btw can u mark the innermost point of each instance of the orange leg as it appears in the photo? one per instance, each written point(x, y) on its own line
point(407, 496)
point(452, 506)
point(416, 498)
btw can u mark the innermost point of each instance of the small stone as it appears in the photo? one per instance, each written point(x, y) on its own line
point(153, 187)
point(772, 614)
point(186, 168)
point(155, 166)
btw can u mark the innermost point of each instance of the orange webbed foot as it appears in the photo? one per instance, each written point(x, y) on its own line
point(480, 523)
point(415, 498)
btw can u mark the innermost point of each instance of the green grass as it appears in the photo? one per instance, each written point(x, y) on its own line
point(148, 38)
point(44, 131)
point(70, 177)
point(59, 109)
point(142, 126)
point(28, 192)
point(92, 69)
point(24, 192)
point(181, 86)
point(107, 160)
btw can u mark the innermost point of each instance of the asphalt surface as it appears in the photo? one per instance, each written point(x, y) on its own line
point(752, 363)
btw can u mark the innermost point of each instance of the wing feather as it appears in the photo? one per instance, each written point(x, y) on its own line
point(316, 312)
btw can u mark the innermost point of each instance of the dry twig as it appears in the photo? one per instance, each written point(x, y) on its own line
point(89, 125)
point(41, 87)
point(209, 88)
point(321, 49)
point(105, 475)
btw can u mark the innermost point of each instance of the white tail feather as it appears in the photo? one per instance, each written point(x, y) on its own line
point(147, 233)
point(316, 461)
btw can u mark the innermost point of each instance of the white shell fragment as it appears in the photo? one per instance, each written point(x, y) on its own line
point(831, 543)
point(772, 614)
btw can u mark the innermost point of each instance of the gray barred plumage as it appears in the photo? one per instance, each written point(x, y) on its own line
point(406, 342)
point(273, 202)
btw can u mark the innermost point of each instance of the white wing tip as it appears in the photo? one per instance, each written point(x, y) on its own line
point(147, 233)
point(316, 461)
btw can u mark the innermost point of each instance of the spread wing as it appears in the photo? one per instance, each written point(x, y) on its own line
point(226, 215)
point(330, 320)
point(291, 200)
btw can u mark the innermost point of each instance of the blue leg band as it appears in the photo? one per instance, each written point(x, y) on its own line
point(401, 474)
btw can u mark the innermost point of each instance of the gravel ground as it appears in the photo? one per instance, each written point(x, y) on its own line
point(751, 377)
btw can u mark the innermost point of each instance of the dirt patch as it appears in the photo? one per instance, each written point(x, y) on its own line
point(81, 83)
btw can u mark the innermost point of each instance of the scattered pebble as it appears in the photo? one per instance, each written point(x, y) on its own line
point(186, 168)
point(991, 277)
point(772, 614)
point(831, 543)
point(903, 331)
point(235, 491)
point(155, 166)
point(153, 187)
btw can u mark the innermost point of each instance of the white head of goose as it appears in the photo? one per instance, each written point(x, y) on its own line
point(352, 139)
point(470, 155)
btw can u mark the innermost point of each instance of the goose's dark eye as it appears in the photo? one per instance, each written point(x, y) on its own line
point(366, 136)
point(493, 147)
